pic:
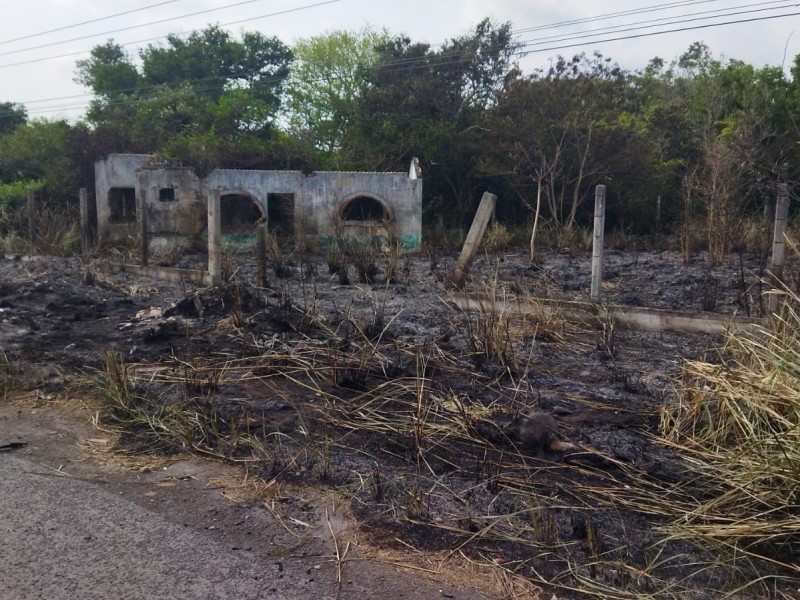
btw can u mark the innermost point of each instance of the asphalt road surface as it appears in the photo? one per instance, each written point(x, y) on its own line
point(74, 528)
point(68, 538)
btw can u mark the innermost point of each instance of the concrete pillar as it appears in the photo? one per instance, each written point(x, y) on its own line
point(261, 255)
point(778, 247)
point(85, 233)
point(214, 238)
point(31, 222)
point(476, 231)
point(141, 209)
point(599, 239)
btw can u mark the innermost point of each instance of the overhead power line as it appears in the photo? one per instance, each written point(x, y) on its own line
point(161, 37)
point(526, 48)
point(90, 21)
point(572, 36)
point(654, 33)
point(665, 21)
point(613, 15)
point(129, 27)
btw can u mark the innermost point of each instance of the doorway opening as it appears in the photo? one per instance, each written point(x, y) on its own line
point(280, 215)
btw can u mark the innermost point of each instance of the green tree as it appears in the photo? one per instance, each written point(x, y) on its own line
point(561, 131)
point(12, 115)
point(109, 72)
point(212, 61)
point(39, 150)
point(329, 74)
point(194, 98)
point(431, 104)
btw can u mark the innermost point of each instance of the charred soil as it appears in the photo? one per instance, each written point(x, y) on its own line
point(404, 404)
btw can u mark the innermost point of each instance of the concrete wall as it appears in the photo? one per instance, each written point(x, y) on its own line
point(186, 214)
point(327, 194)
point(319, 199)
point(118, 170)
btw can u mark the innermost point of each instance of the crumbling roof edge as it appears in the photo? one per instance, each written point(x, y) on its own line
point(156, 166)
point(295, 172)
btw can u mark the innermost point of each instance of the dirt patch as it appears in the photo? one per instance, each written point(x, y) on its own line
point(401, 403)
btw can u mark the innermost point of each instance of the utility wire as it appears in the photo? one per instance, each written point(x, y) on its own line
point(521, 53)
point(624, 13)
point(161, 37)
point(97, 20)
point(662, 22)
point(568, 37)
point(137, 42)
point(654, 33)
point(425, 62)
point(129, 27)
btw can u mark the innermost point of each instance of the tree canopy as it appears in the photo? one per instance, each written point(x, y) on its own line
point(373, 100)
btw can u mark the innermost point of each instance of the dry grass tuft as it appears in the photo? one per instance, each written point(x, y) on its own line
point(497, 239)
point(737, 422)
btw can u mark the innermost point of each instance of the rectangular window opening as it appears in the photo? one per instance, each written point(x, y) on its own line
point(166, 194)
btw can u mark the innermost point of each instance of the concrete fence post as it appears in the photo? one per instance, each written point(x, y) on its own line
point(597, 247)
point(143, 233)
point(214, 238)
point(31, 222)
point(476, 231)
point(261, 255)
point(778, 247)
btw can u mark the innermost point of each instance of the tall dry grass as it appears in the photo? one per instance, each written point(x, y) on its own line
point(737, 423)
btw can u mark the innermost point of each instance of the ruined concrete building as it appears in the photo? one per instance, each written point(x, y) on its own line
point(136, 192)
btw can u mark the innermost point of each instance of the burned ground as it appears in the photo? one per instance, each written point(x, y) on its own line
point(390, 394)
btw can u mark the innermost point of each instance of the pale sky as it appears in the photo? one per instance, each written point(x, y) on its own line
point(47, 88)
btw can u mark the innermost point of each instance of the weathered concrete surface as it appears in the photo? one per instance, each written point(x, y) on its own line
point(474, 237)
point(319, 198)
point(186, 214)
point(166, 273)
point(117, 173)
point(631, 317)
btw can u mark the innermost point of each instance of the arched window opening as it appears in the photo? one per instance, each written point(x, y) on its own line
point(239, 214)
point(364, 209)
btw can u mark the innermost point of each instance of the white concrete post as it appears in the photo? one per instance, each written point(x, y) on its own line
point(142, 214)
point(778, 246)
point(597, 248)
point(214, 238)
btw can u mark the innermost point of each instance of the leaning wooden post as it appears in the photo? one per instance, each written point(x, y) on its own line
point(214, 238)
point(597, 248)
point(778, 247)
point(476, 231)
point(84, 205)
point(31, 222)
point(145, 242)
